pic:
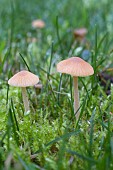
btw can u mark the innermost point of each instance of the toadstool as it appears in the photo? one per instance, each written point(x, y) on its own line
point(38, 23)
point(76, 67)
point(80, 33)
point(24, 79)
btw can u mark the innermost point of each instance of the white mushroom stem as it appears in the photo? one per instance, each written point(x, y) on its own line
point(25, 99)
point(76, 97)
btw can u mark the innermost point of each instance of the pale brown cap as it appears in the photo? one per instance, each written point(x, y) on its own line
point(38, 23)
point(81, 32)
point(75, 66)
point(23, 79)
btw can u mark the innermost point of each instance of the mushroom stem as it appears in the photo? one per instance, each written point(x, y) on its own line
point(25, 99)
point(76, 97)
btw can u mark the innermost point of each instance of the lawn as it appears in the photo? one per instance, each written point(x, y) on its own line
point(49, 136)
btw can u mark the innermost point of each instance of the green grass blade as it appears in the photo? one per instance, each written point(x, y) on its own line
point(25, 62)
point(101, 41)
point(86, 158)
point(4, 136)
point(15, 119)
point(65, 136)
point(59, 89)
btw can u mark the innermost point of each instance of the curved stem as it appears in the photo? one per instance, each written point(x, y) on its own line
point(25, 99)
point(76, 97)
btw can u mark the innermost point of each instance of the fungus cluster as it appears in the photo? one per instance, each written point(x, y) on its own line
point(74, 66)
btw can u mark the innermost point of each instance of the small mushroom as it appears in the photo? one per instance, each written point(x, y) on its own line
point(24, 79)
point(80, 34)
point(76, 67)
point(38, 23)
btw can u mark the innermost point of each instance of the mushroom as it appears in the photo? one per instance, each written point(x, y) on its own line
point(76, 67)
point(38, 23)
point(24, 79)
point(80, 33)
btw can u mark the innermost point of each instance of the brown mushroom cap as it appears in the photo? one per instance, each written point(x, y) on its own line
point(81, 32)
point(23, 79)
point(75, 66)
point(38, 23)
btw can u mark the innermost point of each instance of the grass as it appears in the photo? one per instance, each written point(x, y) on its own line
point(49, 137)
